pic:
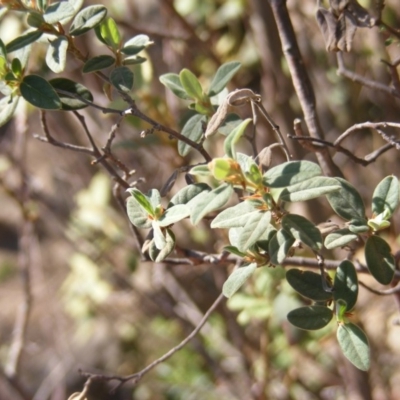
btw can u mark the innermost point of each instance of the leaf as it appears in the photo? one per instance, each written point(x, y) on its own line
point(143, 200)
point(358, 225)
point(193, 130)
point(159, 255)
point(379, 259)
point(339, 238)
point(191, 84)
point(310, 317)
point(290, 173)
point(354, 344)
point(159, 239)
point(69, 103)
point(279, 246)
point(345, 286)
point(224, 74)
point(308, 284)
point(139, 41)
point(309, 189)
point(200, 170)
point(303, 230)
point(37, 91)
point(35, 20)
point(237, 278)
point(386, 196)
point(8, 105)
point(56, 55)
point(234, 250)
point(174, 214)
point(16, 67)
point(255, 226)
point(188, 193)
point(122, 79)
point(134, 60)
point(236, 216)
point(24, 40)
point(110, 33)
point(56, 12)
point(233, 138)
point(98, 63)
point(132, 50)
point(347, 202)
point(87, 19)
point(210, 201)
point(138, 216)
point(173, 83)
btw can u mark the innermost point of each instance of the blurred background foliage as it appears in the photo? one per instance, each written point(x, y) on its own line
point(98, 306)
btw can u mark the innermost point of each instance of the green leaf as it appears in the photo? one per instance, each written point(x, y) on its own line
point(139, 41)
point(110, 33)
point(3, 50)
point(210, 201)
point(173, 83)
point(122, 79)
point(347, 202)
point(339, 238)
point(310, 317)
point(8, 105)
point(134, 60)
point(193, 130)
point(358, 226)
point(386, 196)
point(87, 19)
point(303, 230)
point(234, 250)
point(159, 238)
point(35, 20)
point(56, 55)
point(98, 63)
point(132, 50)
point(174, 214)
point(237, 278)
point(308, 284)
point(345, 286)
point(236, 216)
point(379, 259)
point(58, 11)
point(200, 170)
point(42, 4)
point(137, 214)
point(233, 138)
point(224, 74)
point(279, 246)
point(290, 173)
point(24, 40)
point(16, 67)
point(159, 255)
point(37, 91)
point(191, 84)
point(69, 103)
point(143, 200)
point(309, 189)
point(253, 230)
point(188, 193)
point(354, 344)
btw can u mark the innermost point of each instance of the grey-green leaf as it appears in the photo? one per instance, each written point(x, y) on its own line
point(386, 196)
point(137, 214)
point(302, 229)
point(159, 255)
point(345, 286)
point(122, 79)
point(339, 238)
point(347, 202)
point(37, 91)
point(69, 102)
point(308, 284)
point(87, 19)
point(98, 63)
point(174, 214)
point(8, 105)
point(191, 84)
point(58, 11)
point(310, 317)
point(223, 75)
point(233, 138)
point(173, 82)
point(188, 193)
point(236, 216)
point(253, 230)
point(354, 344)
point(143, 200)
point(290, 173)
point(193, 130)
point(237, 279)
point(379, 259)
point(56, 55)
point(279, 246)
point(23, 40)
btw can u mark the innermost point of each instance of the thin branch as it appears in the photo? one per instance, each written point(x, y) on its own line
point(386, 292)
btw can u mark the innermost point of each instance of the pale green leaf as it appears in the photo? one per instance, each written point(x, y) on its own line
point(339, 238)
point(191, 84)
point(223, 75)
point(253, 230)
point(174, 214)
point(87, 19)
point(236, 216)
point(386, 196)
point(238, 277)
point(193, 130)
point(173, 82)
point(56, 55)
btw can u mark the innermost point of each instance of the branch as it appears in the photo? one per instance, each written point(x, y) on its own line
point(386, 292)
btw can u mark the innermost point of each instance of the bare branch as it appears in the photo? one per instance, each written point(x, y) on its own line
point(386, 292)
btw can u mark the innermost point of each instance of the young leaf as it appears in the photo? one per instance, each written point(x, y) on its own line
point(308, 284)
point(236, 216)
point(279, 246)
point(188, 193)
point(193, 130)
point(56, 55)
point(237, 279)
point(347, 202)
point(379, 259)
point(200, 170)
point(8, 105)
point(69, 103)
point(191, 84)
point(110, 33)
point(233, 138)
point(303, 230)
point(87, 19)
point(98, 63)
point(386, 196)
point(137, 214)
point(24, 40)
point(310, 317)
point(354, 344)
point(290, 173)
point(309, 189)
point(159, 255)
point(210, 201)
point(224, 74)
point(58, 11)
point(345, 286)
point(256, 225)
point(339, 238)
point(358, 225)
point(37, 91)
point(139, 41)
point(122, 79)
point(174, 214)
point(143, 200)
point(173, 83)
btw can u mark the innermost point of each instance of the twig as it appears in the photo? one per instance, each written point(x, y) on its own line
point(386, 292)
